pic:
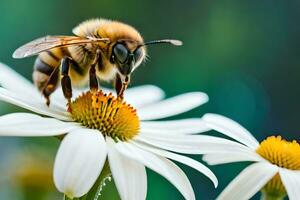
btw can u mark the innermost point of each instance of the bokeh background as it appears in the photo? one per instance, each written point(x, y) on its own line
point(243, 54)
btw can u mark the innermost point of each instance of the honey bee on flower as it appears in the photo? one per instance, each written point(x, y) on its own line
point(101, 49)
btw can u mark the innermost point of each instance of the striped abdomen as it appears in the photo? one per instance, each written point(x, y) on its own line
point(44, 66)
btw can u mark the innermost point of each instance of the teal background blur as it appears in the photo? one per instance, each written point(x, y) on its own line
point(243, 54)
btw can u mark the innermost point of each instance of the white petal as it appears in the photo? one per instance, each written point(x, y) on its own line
point(13, 81)
point(231, 129)
point(193, 144)
point(79, 161)
point(161, 165)
point(143, 95)
point(183, 126)
point(130, 176)
point(33, 105)
point(291, 182)
point(222, 158)
point(26, 124)
point(249, 181)
point(182, 159)
point(173, 106)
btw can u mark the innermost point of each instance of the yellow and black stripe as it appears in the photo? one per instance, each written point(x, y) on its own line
point(44, 66)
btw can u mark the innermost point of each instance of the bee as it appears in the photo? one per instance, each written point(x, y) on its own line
point(100, 49)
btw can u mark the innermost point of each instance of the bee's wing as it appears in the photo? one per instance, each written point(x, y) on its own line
point(49, 42)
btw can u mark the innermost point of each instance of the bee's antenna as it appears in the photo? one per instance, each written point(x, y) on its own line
point(168, 41)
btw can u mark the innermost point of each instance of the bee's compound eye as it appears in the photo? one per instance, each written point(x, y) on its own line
point(120, 52)
point(138, 53)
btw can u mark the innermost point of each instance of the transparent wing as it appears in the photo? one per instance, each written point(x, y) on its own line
point(49, 42)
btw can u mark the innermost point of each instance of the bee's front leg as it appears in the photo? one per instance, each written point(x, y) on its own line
point(66, 81)
point(121, 85)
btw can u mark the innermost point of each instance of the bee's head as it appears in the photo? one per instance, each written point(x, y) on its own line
point(127, 57)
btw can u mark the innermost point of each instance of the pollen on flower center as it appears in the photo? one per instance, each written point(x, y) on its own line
point(282, 153)
point(110, 115)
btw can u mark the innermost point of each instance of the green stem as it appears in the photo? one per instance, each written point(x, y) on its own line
point(271, 196)
point(66, 198)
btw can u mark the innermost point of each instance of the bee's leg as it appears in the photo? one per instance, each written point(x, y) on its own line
point(93, 79)
point(121, 86)
point(66, 81)
point(118, 84)
point(51, 85)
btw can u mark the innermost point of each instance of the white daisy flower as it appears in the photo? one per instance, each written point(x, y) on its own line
point(276, 168)
point(100, 127)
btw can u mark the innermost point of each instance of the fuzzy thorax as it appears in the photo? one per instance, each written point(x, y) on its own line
point(282, 153)
point(111, 116)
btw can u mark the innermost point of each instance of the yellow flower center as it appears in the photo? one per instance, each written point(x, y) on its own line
point(110, 115)
point(282, 153)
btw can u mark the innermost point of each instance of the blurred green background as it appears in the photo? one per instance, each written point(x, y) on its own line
point(243, 54)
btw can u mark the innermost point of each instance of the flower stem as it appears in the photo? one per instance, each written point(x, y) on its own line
point(66, 197)
point(271, 196)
